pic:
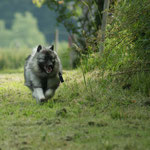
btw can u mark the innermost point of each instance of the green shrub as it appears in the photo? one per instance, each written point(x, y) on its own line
point(127, 46)
point(127, 40)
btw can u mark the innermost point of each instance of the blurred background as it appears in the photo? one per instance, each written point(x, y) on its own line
point(23, 26)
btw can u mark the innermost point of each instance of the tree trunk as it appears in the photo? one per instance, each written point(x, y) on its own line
point(104, 22)
point(56, 39)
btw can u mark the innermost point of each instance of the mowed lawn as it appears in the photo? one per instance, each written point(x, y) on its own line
point(88, 114)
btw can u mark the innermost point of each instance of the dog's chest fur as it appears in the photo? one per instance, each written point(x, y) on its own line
point(50, 83)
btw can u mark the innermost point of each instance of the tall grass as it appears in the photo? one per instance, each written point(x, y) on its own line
point(64, 54)
point(127, 46)
point(14, 58)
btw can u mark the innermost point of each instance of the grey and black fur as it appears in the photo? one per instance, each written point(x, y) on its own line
point(42, 73)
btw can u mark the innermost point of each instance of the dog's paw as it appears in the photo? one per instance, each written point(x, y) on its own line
point(49, 93)
point(41, 101)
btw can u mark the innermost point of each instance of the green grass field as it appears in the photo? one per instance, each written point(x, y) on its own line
point(90, 114)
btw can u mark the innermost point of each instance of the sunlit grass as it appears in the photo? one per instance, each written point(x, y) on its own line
point(98, 115)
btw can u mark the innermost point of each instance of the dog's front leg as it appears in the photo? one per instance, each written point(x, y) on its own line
point(39, 95)
point(49, 93)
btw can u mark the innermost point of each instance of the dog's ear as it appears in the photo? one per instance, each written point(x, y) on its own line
point(39, 48)
point(51, 47)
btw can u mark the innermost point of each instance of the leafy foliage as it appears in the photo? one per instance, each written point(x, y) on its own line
point(128, 43)
point(127, 46)
point(80, 18)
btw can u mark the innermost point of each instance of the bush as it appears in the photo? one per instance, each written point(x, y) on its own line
point(127, 39)
point(127, 46)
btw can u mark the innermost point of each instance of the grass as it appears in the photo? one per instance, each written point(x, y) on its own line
point(99, 116)
point(64, 55)
point(13, 59)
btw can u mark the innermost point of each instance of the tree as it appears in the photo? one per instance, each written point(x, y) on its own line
point(103, 27)
point(24, 30)
point(80, 18)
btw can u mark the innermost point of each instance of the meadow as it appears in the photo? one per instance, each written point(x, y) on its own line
point(87, 113)
point(104, 104)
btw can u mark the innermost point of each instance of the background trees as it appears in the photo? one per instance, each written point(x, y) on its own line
point(24, 29)
point(45, 18)
point(81, 18)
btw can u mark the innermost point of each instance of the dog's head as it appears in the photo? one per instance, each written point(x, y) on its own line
point(47, 59)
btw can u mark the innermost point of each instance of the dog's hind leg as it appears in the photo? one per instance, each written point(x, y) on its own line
point(39, 95)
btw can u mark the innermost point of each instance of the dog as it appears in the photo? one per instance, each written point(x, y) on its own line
point(43, 73)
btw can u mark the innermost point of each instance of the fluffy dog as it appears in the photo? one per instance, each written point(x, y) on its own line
point(42, 73)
